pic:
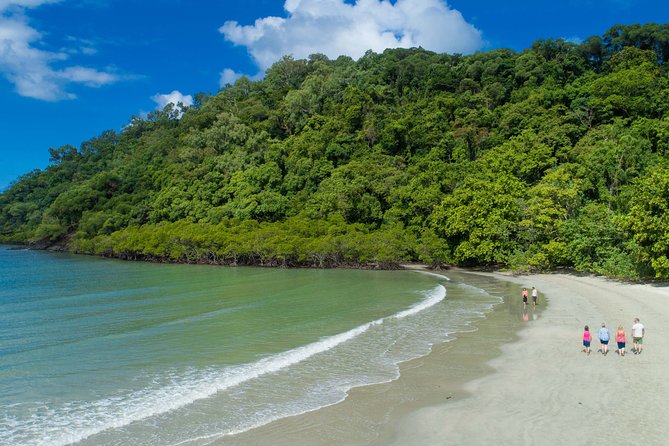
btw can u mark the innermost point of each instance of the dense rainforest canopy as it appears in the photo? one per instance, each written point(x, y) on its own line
point(557, 156)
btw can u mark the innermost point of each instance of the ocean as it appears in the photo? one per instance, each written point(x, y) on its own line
point(104, 352)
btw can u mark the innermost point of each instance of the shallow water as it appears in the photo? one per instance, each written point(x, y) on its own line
point(96, 351)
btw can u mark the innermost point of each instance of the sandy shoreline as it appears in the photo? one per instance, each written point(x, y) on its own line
point(513, 381)
point(369, 413)
point(545, 391)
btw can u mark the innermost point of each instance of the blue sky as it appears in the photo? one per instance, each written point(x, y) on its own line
point(70, 69)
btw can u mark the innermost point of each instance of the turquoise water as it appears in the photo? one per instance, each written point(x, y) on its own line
point(96, 351)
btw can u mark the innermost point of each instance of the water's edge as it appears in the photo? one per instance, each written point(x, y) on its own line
point(370, 414)
point(363, 410)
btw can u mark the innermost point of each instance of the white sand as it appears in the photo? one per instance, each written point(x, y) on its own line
point(546, 392)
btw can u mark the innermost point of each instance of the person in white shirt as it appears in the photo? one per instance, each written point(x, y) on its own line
point(638, 332)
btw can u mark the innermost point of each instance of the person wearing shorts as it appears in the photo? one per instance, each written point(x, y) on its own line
point(586, 339)
point(620, 339)
point(524, 295)
point(535, 294)
point(604, 336)
point(638, 332)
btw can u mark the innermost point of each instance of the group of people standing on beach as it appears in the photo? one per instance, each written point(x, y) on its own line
point(638, 332)
point(604, 335)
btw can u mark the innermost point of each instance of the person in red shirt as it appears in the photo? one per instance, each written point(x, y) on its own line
point(586, 339)
point(620, 339)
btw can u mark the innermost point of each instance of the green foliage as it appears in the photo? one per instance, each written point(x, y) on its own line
point(648, 218)
point(479, 220)
point(297, 241)
point(358, 190)
point(597, 243)
point(548, 206)
point(552, 157)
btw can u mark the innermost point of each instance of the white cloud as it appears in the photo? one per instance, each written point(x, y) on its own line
point(174, 98)
point(79, 46)
point(5, 4)
point(32, 70)
point(334, 28)
point(228, 76)
point(87, 76)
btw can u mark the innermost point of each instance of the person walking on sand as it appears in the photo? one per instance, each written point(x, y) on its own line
point(638, 332)
point(620, 339)
point(524, 296)
point(586, 339)
point(604, 336)
point(535, 294)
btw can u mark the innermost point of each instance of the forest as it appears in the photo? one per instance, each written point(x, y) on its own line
point(553, 157)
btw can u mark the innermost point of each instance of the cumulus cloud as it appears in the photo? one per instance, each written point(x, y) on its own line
point(228, 76)
point(34, 71)
point(174, 98)
point(335, 28)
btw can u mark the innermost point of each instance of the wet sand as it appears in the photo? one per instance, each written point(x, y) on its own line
point(370, 414)
point(518, 379)
point(544, 390)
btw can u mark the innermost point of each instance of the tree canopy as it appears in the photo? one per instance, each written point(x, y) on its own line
point(556, 156)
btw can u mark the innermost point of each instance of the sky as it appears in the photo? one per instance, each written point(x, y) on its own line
point(71, 69)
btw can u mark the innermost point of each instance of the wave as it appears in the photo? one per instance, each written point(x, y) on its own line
point(435, 297)
point(429, 273)
point(88, 419)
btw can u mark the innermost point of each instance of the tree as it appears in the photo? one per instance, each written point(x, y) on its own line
point(63, 153)
point(480, 219)
point(648, 218)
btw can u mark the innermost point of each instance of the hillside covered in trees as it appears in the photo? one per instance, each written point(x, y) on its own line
point(557, 156)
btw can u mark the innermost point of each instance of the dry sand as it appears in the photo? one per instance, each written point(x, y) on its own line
point(514, 382)
point(544, 391)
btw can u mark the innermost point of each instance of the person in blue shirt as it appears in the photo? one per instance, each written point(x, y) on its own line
point(604, 336)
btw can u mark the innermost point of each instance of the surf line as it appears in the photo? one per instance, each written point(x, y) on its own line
point(207, 386)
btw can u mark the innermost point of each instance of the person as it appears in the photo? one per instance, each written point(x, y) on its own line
point(638, 332)
point(524, 295)
point(620, 339)
point(604, 336)
point(586, 339)
point(535, 294)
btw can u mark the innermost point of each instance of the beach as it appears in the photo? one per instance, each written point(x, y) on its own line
point(544, 390)
point(515, 380)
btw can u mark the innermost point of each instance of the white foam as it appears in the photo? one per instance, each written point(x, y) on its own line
point(121, 411)
point(84, 420)
point(429, 273)
point(436, 296)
